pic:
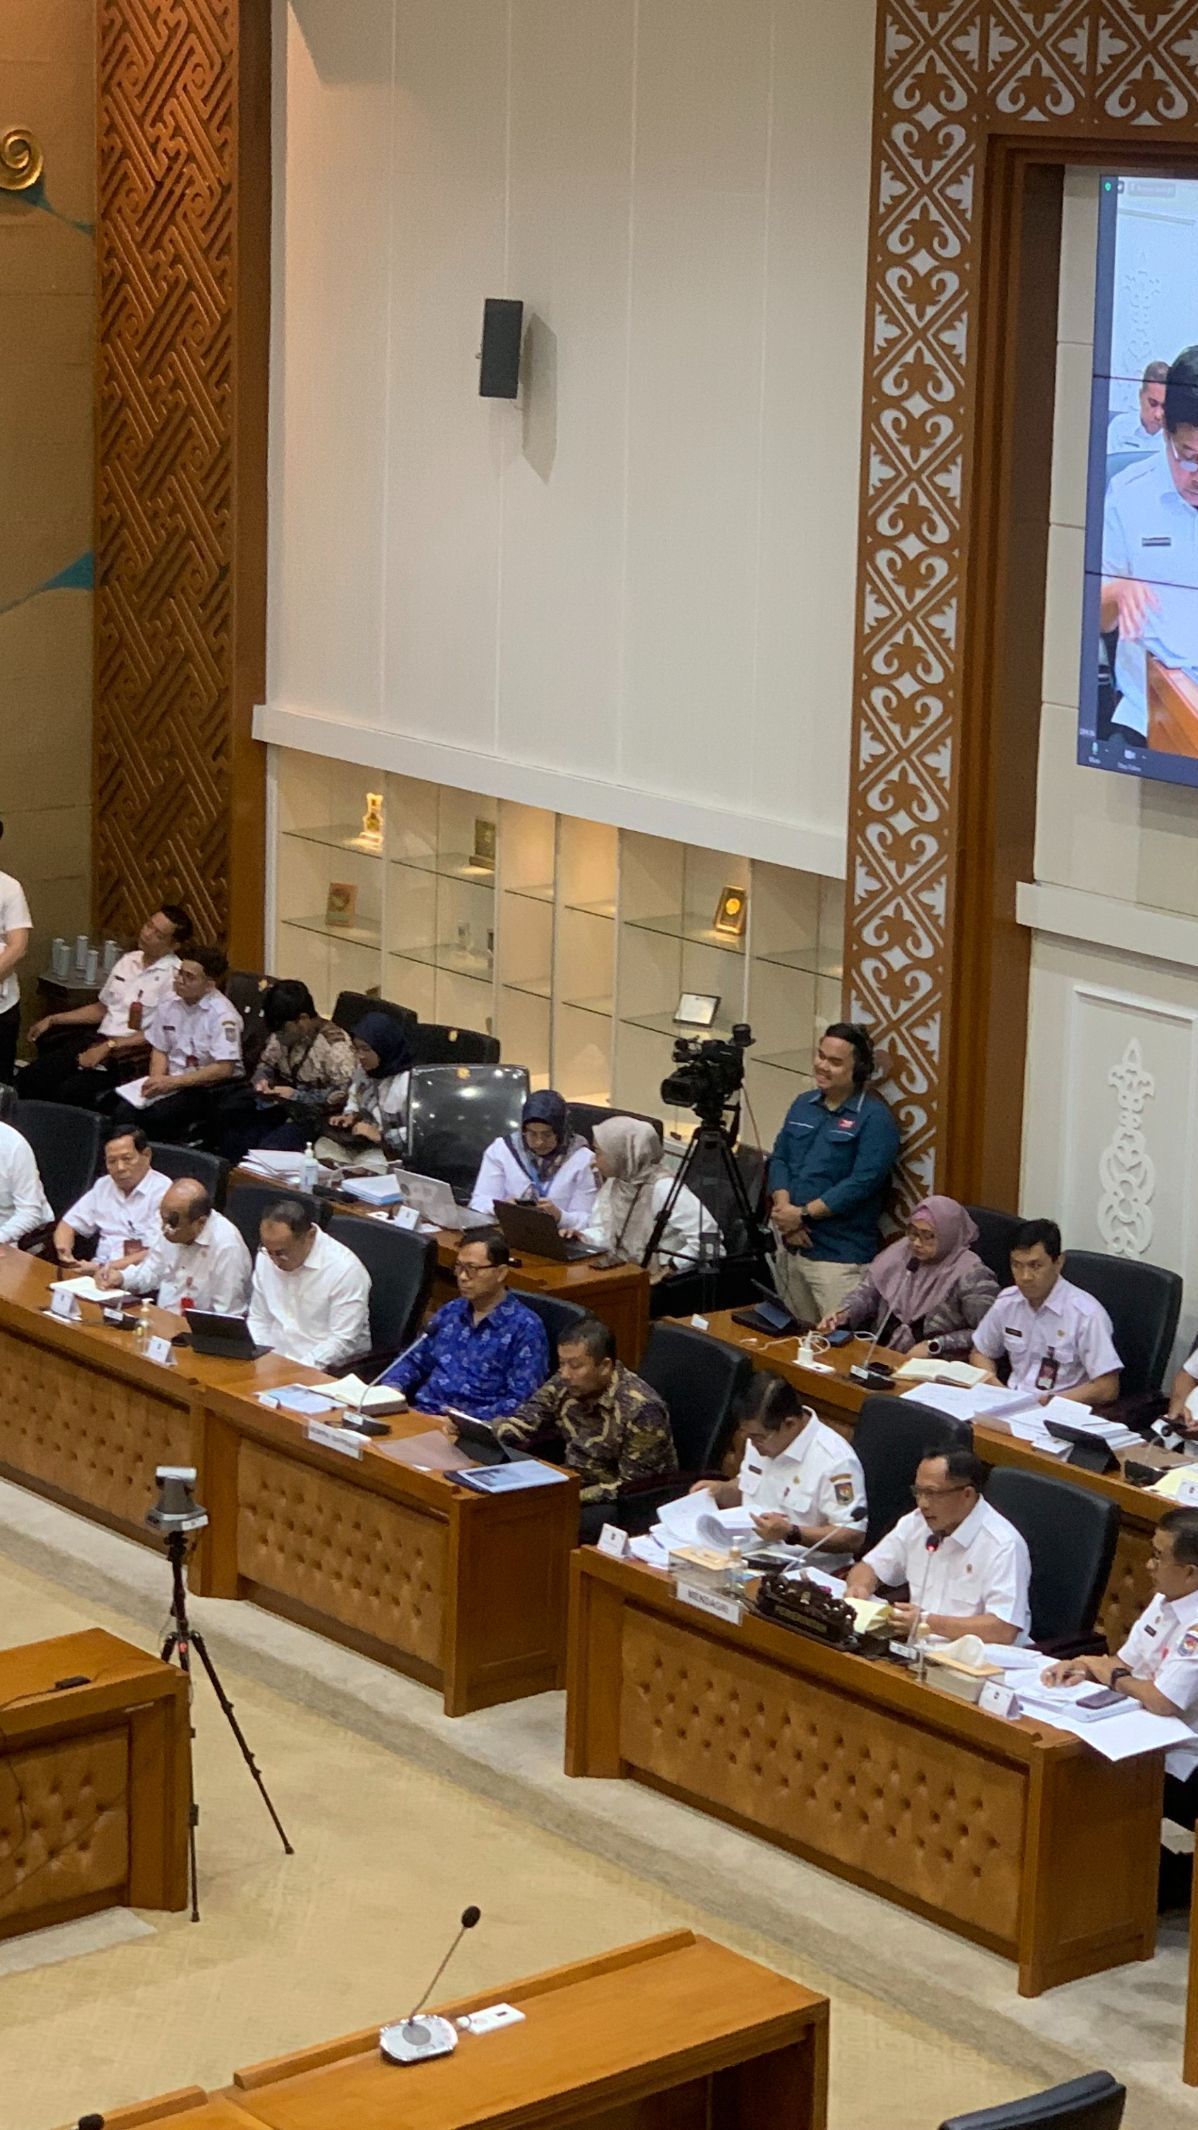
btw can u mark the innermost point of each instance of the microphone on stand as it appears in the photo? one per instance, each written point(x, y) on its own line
point(932, 1545)
point(414, 2040)
point(857, 1516)
point(869, 1370)
point(355, 1415)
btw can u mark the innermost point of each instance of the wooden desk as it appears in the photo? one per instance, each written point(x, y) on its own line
point(986, 1827)
point(838, 1399)
point(676, 2033)
point(618, 1294)
point(463, 1591)
point(93, 1811)
point(1172, 709)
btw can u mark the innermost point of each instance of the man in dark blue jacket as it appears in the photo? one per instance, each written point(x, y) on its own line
point(829, 1176)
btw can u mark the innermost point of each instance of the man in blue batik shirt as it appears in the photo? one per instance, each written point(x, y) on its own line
point(829, 1175)
point(484, 1354)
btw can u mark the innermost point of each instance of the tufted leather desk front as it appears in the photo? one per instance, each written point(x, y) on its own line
point(93, 1810)
point(674, 2033)
point(987, 1827)
point(463, 1591)
point(838, 1399)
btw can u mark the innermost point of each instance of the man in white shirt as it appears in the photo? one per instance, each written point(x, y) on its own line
point(121, 1208)
point(1158, 1664)
point(85, 1052)
point(1150, 556)
point(15, 927)
point(198, 1260)
point(311, 1296)
point(966, 1569)
point(1056, 1337)
point(1183, 1398)
point(1141, 428)
point(801, 1480)
point(24, 1206)
point(195, 1051)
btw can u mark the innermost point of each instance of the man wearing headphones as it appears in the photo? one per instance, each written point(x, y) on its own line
point(829, 1176)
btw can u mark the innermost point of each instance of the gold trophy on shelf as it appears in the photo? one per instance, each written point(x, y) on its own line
point(370, 835)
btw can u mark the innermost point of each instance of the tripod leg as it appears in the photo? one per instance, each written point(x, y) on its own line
point(227, 1710)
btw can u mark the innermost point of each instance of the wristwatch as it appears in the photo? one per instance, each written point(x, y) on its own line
point(1121, 1671)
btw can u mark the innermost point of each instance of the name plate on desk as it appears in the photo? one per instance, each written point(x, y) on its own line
point(159, 1350)
point(721, 1604)
point(334, 1438)
point(65, 1304)
point(1000, 1700)
point(613, 1540)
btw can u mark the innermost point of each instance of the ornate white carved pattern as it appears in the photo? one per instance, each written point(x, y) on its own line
point(948, 70)
point(1126, 1170)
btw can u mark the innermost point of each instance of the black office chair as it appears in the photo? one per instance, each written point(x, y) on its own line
point(352, 1006)
point(208, 1169)
point(246, 990)
point(67, 1145)
point(1143, 1303)
point(455, 1111)
point(401, 1267)
point(1071, 1536)
point(702, 1382)
point(433, 1044)
point(891, 1437)
point(247, 1202)
point(584, 1116)
point(1095, 2102)
point(995, 1232)
point(556, 1315)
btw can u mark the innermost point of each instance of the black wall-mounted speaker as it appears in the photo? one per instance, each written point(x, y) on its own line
point(503, 327)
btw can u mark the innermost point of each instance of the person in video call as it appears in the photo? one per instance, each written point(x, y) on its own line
point(1142, 427)
point(1150, 556)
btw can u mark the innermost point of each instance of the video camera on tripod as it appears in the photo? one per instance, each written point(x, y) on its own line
point(709, 1073)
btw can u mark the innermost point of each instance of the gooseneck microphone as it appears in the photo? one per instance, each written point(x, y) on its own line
point(932, 1545)
point(414, 2040)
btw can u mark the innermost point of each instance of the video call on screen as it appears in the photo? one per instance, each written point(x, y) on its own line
point(1138, 711)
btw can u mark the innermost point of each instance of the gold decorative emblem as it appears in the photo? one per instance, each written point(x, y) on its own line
point(21, 160)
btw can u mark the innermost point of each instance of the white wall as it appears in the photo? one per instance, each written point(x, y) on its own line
point(630, 596)
point(1111, 1097)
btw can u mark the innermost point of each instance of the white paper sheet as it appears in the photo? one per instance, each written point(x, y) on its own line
point(1122, 1736)
point(694, 1520)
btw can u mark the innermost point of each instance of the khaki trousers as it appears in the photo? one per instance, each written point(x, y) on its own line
point(813, 1287)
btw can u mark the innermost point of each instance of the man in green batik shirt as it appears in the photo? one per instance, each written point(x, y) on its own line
point(615, 1427)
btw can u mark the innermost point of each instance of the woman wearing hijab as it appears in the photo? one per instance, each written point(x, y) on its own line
point(372, 1128)
point(545, 1163)
point(634, 1186)
point(923, 1296)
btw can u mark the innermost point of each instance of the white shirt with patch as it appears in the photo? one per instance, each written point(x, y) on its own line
point(14, 917)
point(24, 1205)
point(213, 1272)
point(189, 1036)
point(320, 1313)
point(120, 1217)
point(1070, 1328)
point(982, 1566)
point(817, 1480)
point(1151, 534)
point(133, 977)
point(1163, 1647)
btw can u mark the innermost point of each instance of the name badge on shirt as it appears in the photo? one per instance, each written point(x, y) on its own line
point(1156, 540)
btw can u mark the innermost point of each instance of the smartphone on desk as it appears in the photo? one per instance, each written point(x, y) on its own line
point(1105, 1697)
point(843, 1337)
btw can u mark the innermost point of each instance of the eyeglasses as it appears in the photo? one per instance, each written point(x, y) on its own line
point(936, 1493)
point(1184, 458)
point(472, 1271)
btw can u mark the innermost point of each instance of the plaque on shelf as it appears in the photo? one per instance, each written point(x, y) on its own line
point(732, 909)
point(342, 905)
point(483, 854)
point(370, 835)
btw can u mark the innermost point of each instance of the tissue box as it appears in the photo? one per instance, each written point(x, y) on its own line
point(964, 1680)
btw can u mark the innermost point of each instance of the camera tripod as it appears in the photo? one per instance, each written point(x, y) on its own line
point(711, 1157)
point(179, 1642)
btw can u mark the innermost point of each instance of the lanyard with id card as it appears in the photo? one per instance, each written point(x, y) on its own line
point(1048, 1371)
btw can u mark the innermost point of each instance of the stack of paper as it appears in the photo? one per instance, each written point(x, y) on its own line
point(694, 1520)
point(1021, 1413)
point(1118, 1733)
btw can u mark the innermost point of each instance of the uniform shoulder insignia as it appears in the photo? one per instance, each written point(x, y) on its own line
point(1189, 1643)
point(842, 1487)
point(228, 1028)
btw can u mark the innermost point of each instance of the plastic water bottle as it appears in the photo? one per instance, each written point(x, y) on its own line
point(142, 1333)
point(308, 1168)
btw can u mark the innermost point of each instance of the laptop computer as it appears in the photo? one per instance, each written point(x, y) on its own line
point(434, 1201)
point(531, 1229)
point(226, 1337)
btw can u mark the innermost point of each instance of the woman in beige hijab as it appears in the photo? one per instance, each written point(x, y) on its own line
point(634, 1186)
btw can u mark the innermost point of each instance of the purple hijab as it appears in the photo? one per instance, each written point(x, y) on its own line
point(912, 1294)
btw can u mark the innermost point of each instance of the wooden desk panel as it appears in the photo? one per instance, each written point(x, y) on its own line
point(838, 1400)
point(461, 1591)
point(95, 1811)
point(986, 1827)
point(674, 2034)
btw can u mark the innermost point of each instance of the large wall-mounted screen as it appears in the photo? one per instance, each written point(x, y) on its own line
point(1139, 683)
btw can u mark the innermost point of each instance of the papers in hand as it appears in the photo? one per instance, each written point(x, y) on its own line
point(694, 1520)
point(374, 1398)
point(134, 1092)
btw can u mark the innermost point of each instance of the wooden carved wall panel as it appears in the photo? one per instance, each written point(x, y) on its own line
point(172, 565)
point(950, 74)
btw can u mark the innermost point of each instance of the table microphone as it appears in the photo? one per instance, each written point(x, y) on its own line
point(414, 2040)
point(869, 1370)
point(354, 1416)
point(856, 1516)
point(932, 1544)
